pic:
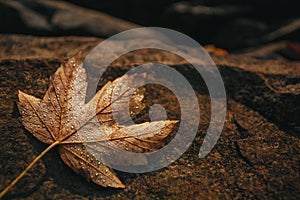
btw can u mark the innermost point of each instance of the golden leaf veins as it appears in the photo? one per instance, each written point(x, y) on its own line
point(63, 118)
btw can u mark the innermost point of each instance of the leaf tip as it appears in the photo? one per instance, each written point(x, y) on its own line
point(172, 122)
point(78, 56)
point(21, 94)
point(121, 186)
point(74, 61)
point(169, 125)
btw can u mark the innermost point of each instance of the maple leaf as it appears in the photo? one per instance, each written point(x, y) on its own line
point(79, 129)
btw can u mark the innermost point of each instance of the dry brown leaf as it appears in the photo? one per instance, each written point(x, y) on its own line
point(63, 118)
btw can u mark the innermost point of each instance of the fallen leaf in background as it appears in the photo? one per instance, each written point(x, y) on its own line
point(210, 48)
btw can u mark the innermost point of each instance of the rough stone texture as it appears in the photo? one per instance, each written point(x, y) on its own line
point(257, 155)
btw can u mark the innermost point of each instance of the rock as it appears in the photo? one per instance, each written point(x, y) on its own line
point(25, 46)
point(57, 18)
point(257, 155)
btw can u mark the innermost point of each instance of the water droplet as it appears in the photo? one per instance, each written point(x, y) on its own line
point(72, 127)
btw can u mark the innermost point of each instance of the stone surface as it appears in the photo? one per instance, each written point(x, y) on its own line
point(257, 155)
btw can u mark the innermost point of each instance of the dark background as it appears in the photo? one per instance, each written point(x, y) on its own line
point(230, 24)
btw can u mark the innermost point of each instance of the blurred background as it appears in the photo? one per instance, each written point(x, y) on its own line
point(233, 25)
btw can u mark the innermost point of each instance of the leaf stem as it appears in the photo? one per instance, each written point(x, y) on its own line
point(28, 168)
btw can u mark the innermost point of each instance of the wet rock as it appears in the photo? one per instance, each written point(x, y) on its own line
point(257, 155)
